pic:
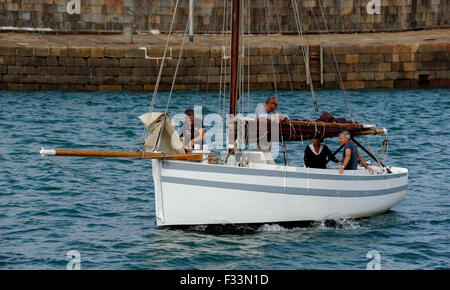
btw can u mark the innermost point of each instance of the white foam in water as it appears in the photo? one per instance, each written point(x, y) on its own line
point(344, 223)
point(272, 228)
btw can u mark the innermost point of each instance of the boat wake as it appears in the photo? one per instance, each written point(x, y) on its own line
point(241, 229)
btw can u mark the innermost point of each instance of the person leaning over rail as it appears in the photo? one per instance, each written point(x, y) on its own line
point(351, 155)
point(316, 154)
point(269, 110)
point(192, 131)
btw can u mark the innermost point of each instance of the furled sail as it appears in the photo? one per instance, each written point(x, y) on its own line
point(163, 136)
point(326, 126)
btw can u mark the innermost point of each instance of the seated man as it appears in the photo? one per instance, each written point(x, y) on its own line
point(192, 131)
point(269, 109)
point(351, 155)
point(316, 154)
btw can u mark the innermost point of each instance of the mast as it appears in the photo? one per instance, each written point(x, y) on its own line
point(234, 56)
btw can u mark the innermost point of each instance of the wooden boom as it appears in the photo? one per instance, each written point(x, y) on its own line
point(152, 155)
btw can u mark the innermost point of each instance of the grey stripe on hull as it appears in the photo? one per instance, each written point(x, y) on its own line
point(281, 189)
point(174, 165)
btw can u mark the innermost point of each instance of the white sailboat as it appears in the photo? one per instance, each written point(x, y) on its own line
point(246, 187)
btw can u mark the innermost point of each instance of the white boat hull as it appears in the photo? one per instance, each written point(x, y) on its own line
point(197, 194)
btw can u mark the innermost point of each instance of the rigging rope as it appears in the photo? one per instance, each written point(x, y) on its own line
point(341, 83)
point(270, 48)
point(284, 50)
point(173, 84)
point(155, 91)
point(223, 62)
point(304, 47)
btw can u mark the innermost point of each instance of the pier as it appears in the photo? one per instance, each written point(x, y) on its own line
point(92, 62)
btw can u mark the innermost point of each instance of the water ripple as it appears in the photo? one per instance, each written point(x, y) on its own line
point(46, 211)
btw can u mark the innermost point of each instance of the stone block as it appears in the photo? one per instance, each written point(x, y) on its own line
point(352, 58)
point(329, 77)
point(91, 88)
point(391, 57)
point(29, 70)
point(346, 68)
point(114, 52)
point(56, 79)
point(409, 66)
point(95, 62)
point(146, 63)
point(24, 51)
point(354, 85)
point(65, 61)
point(23, 60)
point(134, 52)
point(111, 62)
point(364, 58)
point(3, 70)
point(424, 56)
point(377, 58)
point(126, 62)
point(14, 70)
point(197, 52)
point(389, 84)
point(384, 67)
point(407, 57)
point(58, 51)
point(366, 76)
point(134, 88)
point(351, 76)
point(263, 78)
point(118, 71)
point(97, 51)
point(189, 61)
point(9, 60)
point(42, 51)
point(52, 61)
point(441, 55)
point(443, 74)
point(392, 75)
point(379, 76)
point(39, 79)
point(110, 88)
point(52, 70)
point(15, 87)
point(402, 48)
point(78, 51)
point(72, 70)
point(79, 61)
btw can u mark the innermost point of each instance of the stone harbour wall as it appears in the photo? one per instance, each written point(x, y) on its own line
point(99, 16)
point(100, 68)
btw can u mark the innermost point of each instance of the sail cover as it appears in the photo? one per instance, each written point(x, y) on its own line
point(163, 136)
point(326, 126)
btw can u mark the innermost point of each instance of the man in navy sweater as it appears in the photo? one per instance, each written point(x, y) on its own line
point(351, 155)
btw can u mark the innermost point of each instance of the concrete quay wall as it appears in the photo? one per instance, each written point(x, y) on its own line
point(38, 66)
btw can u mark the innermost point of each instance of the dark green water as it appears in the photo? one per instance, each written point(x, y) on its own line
point(45, 211)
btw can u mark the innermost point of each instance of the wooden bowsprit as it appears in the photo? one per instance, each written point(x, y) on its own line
point(111, 154)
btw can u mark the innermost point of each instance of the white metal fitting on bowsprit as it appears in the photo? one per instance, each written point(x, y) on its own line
point(46, 152)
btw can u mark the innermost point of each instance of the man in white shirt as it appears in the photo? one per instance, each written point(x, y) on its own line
point(268, 110)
